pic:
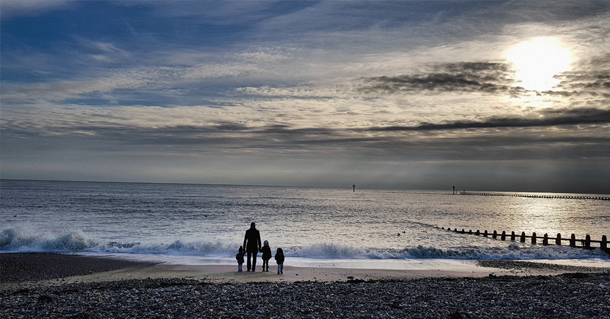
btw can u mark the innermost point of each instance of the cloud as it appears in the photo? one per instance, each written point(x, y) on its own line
point(15, 8)
point(484, 77)
point(71, 89)
point(591, 77)
point(358, 87)
point(105, 52)
point(218, 12)
point(587, 85)
point(547, 118)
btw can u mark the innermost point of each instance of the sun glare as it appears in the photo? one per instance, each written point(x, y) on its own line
point(537, 61)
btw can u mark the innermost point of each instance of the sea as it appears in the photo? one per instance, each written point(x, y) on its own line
point(203, 224)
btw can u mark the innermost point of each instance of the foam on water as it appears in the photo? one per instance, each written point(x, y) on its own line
point(78, 242)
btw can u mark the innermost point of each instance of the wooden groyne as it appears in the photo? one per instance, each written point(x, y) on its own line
point(586, 243)
point(554, 196)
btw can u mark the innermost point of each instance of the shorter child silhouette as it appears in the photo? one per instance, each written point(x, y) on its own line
point(279, 258)
point(240, 258)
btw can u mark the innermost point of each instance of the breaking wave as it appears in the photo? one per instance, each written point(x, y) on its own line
point(12, 240)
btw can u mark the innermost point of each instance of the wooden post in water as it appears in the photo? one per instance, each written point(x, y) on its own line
point(585, 243)
point(588, 241)
point(533, 238)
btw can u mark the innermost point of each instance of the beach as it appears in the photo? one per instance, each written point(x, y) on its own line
point(57, 286)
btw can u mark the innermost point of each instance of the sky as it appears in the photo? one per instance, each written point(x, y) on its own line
point(480, 95)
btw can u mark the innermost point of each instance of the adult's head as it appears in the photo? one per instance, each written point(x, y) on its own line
point(252, 225)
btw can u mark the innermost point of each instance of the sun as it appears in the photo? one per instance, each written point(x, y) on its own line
point(537, 61)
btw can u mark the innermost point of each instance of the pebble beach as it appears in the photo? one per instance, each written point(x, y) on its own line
point(33, 289)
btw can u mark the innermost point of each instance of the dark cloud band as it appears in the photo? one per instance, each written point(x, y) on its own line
point(549, 118)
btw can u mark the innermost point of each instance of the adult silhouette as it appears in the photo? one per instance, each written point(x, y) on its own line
point(252, 243)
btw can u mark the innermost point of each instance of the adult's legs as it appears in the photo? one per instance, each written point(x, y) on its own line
point(252, 254)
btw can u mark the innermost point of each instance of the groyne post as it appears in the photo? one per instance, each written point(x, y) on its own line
point(584, 243)
point(464, 192)
point(533, 238)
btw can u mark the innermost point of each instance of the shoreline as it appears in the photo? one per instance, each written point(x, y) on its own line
point(41, 269)
point(111, 288)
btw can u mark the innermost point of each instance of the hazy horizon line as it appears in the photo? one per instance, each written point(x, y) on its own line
point(348, 187)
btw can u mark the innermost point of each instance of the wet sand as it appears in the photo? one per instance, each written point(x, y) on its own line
point(50, 268)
